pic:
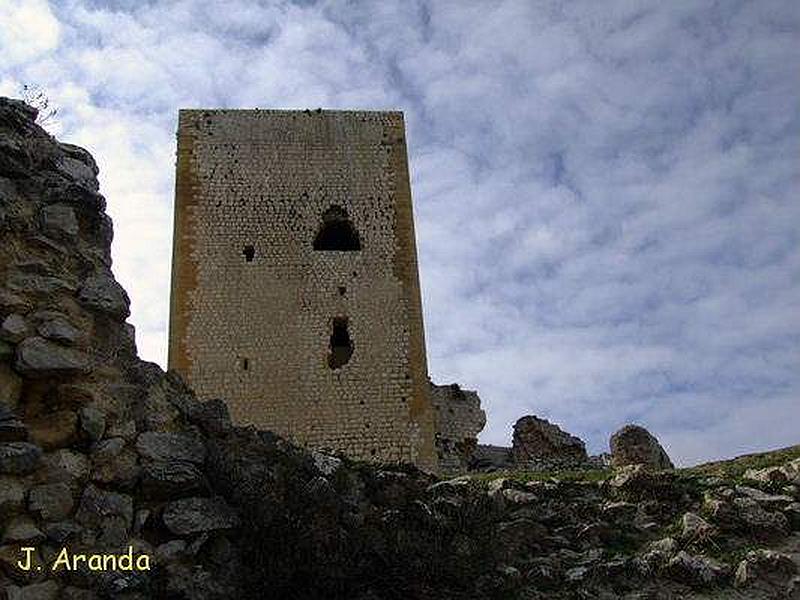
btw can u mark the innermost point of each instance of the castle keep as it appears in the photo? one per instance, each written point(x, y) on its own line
point(295, 289)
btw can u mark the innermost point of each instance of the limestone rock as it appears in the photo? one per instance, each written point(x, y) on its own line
point(491, 458)
point(542, 444)
point(60, 330)
point(211, 415)
point(12, 496)
point(325, 463)
point(59, 221)
point(22, 529)
point(695, 528)
point(788, 473)
point(6, 352)
point(10, 386)
point(19, 458)
point(170, 551)
point(54, 430)
point(695, 570)
point(62, 531)
point(11, 428)
point(792, 513)
point(119, 468)
point(51, 501)
point(93, 422)
point(633, 445)
point(165, 480)
point(198, 515)
point(97, 505)
point(39, 285)
point(78, 165)
point(167, 446)
point(103, 293)
point(759, 520)
point(637, 483)
point(69, 464)
point(13, 303)
point(668, 546)
point(38, 358)
point(14, 329)
point(46, 590)
point(765, 569)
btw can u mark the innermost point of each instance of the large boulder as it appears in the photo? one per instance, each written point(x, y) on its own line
point(539, 444)
point(634, 445)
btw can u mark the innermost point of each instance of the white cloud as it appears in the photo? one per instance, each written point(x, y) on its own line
point(29, 30)
point(605, 195)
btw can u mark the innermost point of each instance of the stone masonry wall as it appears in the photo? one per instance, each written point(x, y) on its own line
point(459, 420)
point(254, 304)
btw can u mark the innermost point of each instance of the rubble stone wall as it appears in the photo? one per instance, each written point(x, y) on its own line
point(459, 420)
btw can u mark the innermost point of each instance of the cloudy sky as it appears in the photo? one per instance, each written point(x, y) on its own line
point(607, 194)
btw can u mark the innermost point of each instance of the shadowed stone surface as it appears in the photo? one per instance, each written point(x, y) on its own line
point(37, 357)
point(198, 515)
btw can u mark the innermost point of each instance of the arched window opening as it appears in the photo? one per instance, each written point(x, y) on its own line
point(341, 344)
point(249, 253)
point(337, 232)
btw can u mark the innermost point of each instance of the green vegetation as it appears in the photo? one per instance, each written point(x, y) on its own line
point(736, 467)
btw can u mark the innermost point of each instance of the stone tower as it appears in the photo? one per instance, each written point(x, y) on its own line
point(295, 291)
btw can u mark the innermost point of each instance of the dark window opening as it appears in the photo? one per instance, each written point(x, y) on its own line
point(337, 232)
point(341, 344)
point(249, 253)
point(342, 290)
point(245, 364)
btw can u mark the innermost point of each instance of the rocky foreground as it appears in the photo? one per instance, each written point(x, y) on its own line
point(101, 452)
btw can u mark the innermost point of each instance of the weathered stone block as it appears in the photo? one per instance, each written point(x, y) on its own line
point(19, 458)
point(103, 293)
point(171, 480)
point(14, 329)
point(166, 447)
point(37, 357)
point(96, 505)
point(60, 330)
point(52, 501)
point(198, 515)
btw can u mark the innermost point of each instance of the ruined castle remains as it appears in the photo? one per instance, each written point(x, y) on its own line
point(295, 288)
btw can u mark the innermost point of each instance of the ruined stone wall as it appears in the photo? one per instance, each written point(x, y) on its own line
point(459, 420)
point(254, 306)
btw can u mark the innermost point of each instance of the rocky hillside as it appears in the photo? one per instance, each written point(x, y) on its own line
point(104, 454)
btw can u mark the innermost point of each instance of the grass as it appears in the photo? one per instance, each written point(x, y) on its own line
point(567, 475)
point(735, 468)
